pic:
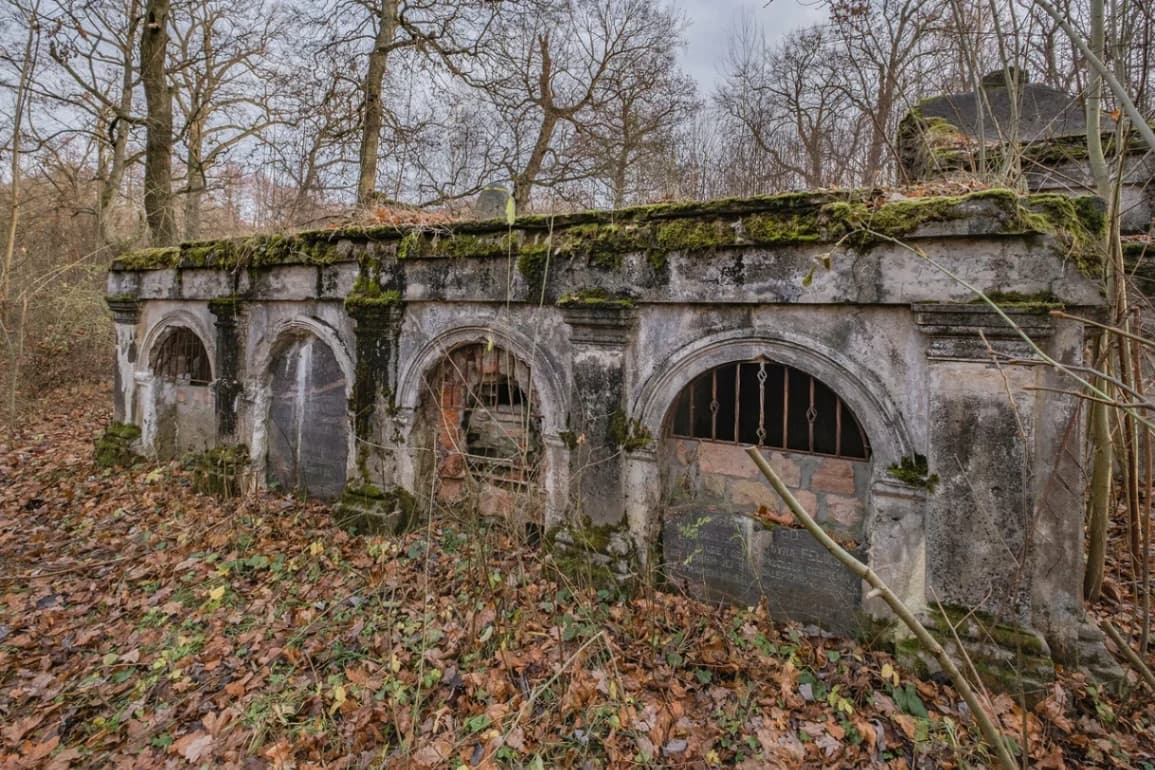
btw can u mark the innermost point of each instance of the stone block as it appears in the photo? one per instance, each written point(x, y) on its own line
point(833, 475)
point(685, 451)
point(845, 513)
point(449, 490)
point(715, 486)
point(367, 510)
point(725, 459)
point(495, 501)
point(452, 467)
point(787, 468)
point(706, 551)
point(761, 494)
point(720, 554)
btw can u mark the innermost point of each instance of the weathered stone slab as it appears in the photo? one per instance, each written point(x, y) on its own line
point(717, 554)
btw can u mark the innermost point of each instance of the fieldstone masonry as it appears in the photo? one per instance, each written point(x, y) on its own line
point(595, 378)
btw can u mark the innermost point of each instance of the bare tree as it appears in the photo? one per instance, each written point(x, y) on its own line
point(791, 101)
point(632, 125)
point(887, 47)
point(221, 92)
point(548, 75)
point(94, 49)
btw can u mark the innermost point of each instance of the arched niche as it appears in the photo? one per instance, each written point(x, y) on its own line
point(809, 434)
point(180, 416)
point(822, 422)
point(477, 436)
point(307, 426)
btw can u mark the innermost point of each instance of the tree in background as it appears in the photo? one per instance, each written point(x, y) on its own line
point(158, 197)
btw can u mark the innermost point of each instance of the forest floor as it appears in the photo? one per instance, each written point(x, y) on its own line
point(145, 625)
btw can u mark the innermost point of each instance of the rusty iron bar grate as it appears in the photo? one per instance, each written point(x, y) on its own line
point(771, 405)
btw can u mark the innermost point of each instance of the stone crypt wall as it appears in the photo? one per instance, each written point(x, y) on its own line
point(541, 373)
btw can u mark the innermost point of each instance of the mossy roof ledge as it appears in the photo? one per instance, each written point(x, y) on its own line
point(788, 218)
point(308, 247)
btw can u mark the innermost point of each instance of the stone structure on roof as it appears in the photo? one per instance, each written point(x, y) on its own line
point(593, 379)
point(951, 134)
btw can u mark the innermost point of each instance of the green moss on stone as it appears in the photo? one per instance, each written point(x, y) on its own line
point(410, 245)
point(601, 239)
point(693, 235)
point(585, 573)
point(114, 447)
point(569, 438)
point(628, 434)
point(218, 471)
point(305, 248)
point(367, 510)
point(914, 471)
point(532, 264)
point(1042, 301)
point(594, 297)
point(148, 259)
point(774, 231)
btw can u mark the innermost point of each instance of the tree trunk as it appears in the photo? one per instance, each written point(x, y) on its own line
point(12, 329)
point(196, 181)
point(158, 203)
point(523, 184)
point(374, 109)
point(117, 136)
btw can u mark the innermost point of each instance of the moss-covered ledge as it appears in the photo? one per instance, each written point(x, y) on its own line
point(860, 219)
point(311, 247)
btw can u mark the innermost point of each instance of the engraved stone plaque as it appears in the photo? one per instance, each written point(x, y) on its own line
point(707, 552)
point(717, 554)
point(802, 581)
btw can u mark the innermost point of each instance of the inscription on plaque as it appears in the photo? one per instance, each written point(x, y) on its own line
point(722, 555)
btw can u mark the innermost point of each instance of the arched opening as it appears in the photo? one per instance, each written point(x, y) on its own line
point(308, 422)
point(763, 403)
point(726, 534)
point(181, 357)
point(185, 414)
point(479, 437)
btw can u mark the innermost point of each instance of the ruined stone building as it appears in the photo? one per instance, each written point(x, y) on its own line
point(593, 379)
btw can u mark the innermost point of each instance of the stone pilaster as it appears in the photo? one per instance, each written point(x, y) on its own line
point(378, 327)
point(601, 429)
point(228, 385)
point(982, 419)
point(125, 315)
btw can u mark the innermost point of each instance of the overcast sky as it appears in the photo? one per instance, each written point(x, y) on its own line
point(710, 22)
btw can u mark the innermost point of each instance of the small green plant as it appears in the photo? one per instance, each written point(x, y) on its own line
point(914, 471)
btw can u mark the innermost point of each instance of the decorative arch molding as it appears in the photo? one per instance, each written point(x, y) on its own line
point(543, 370)
point(856, 385)
point(269, 344)
point(174, 320)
